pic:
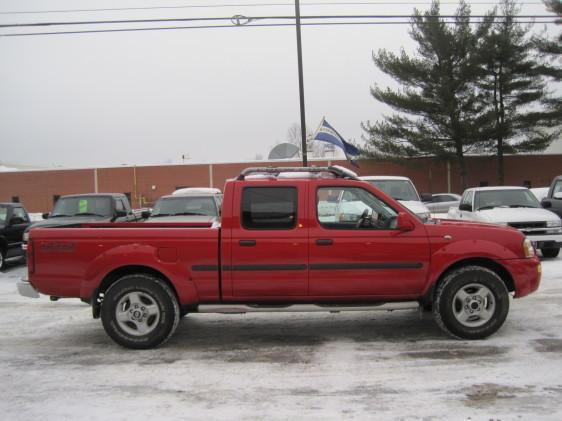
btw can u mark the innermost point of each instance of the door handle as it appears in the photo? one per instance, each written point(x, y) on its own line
point(324, 242)
point(247, 243)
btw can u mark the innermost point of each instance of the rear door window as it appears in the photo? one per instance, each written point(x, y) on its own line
point(269, 208)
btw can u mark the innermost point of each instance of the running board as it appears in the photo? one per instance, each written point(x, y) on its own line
point(245, 308)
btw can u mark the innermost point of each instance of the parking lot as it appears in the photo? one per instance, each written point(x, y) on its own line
point(57, 363)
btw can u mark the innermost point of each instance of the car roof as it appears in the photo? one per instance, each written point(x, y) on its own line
point(383, 177)
point(187, 195)
point(12, 204)
point(196, 191)
point(94, 195)
point(491, 188)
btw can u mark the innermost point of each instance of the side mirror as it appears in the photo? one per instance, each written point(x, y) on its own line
point(545, 203)
point(145, 214)
point(557, 196)
point(404, 222)
point(465, 207)
point(426, 197)
point(46, 215)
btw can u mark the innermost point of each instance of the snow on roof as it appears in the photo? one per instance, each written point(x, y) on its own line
point(498, 188)
point(382, 177)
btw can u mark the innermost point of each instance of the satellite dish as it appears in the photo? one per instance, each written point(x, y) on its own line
point(284, 151)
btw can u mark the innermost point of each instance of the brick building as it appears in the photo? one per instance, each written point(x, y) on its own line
point(38, 189)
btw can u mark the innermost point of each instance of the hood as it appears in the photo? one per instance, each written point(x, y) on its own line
point(182, 218)
point(499, 215)
point(415, 206)
point(70, 220)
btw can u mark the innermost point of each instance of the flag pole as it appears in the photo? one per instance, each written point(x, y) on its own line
point(301, 84)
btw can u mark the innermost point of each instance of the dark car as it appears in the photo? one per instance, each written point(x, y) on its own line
point(553, 201)
point(13, 222)
point(81, 208)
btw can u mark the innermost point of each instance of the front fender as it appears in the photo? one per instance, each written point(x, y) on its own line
point(447, 255)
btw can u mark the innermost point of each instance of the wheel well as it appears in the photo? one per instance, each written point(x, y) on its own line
point(501, 271)
point(113, 276)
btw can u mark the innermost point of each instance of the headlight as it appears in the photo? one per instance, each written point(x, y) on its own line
point(26, 236)
point(554, 224)
point(528, 249)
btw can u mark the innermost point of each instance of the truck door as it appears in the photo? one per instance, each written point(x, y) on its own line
point(269, 242)
point(355, 248)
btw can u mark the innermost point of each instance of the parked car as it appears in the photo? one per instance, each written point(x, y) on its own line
point(516, 207)
point(14, 219)
point(553, 200)
point(540, 192)
point(275, 252)
point(81, 208)
point(441, 202)
point(190, 204)
point(401, 189)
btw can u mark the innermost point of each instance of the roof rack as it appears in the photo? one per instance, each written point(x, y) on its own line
point(336, 170)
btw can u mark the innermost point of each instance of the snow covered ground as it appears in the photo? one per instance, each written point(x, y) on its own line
point(56, 363)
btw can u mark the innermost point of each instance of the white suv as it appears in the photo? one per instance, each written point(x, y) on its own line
point(401, 189)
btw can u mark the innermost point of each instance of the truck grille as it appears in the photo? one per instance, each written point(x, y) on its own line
point(530, 227)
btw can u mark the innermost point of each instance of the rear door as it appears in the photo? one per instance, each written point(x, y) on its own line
point(351, 256)
point(269, 241)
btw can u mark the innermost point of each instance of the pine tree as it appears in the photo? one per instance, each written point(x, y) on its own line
point(513, 86)
point(437, 111)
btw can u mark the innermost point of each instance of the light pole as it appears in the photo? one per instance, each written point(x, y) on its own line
point(301, 84)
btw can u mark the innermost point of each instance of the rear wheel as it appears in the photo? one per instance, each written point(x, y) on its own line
point(550, 252)
point(140, 311)
point(472, 302)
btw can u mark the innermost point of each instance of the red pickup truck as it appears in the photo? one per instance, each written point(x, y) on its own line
point(290, 239)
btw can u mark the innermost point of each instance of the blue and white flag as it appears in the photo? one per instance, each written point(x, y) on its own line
point(326, 133)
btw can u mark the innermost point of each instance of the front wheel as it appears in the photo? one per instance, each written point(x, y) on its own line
point(472, 302)
point(550, 252)
point(140, 311)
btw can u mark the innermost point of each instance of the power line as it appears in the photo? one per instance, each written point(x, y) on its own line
point(210, 6)
point(251, 18)
point(93, 31)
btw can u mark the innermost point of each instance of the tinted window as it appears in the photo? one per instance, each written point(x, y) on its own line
point(397, 189)
point(185, 205)
point(20, 213)
point(3, 213)
point(119, 205)
point(83, 205)
point(353, 208)
point(269, 207)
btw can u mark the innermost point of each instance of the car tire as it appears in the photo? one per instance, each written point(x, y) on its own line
point(550, 252)
point(471, 302)
point(2, 259)
point(140, 311)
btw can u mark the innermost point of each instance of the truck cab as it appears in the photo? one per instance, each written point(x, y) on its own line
point(14, 220)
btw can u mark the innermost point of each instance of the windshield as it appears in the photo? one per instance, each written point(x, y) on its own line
point(192, 205)
point(397, 189)
point(505, 198)
point(83, 205)
point(3, 213)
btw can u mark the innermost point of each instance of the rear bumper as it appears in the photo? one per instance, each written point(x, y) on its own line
point(526, 274)
point(26, 289)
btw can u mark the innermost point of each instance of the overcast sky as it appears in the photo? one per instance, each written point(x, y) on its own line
point(218, 95)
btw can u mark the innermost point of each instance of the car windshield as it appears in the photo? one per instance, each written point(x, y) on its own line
point(3, 213)
point(397, 189)
point(187, 205)
point(83, 205)
point(490, 199)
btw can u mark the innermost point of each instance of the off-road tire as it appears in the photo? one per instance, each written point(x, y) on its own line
point(550, 252)
point(2, 259)
point(459, 281)
point(156, 292)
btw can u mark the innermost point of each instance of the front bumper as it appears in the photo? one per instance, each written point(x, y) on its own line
point(26, 289)
point(526, 274)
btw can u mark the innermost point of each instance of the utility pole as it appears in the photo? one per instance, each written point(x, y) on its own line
point(301, 84)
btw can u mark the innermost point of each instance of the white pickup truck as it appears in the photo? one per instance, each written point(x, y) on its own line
point(516, 207)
